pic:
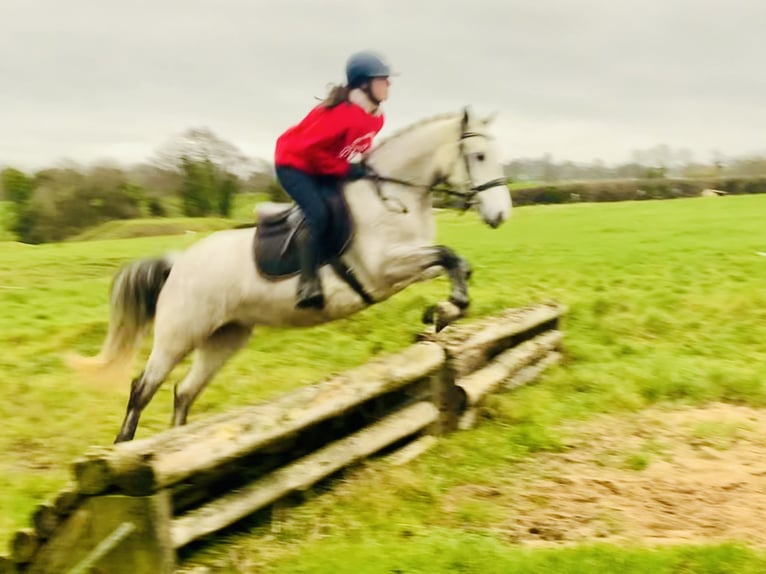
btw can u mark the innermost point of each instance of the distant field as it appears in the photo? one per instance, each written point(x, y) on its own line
point(175, 224)
point(667, 306)
point(154, 227)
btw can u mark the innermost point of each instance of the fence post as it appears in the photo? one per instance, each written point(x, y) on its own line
point(96, 535)
point(448, 398)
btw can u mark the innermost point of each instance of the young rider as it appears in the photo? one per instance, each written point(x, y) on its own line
point(315, 156)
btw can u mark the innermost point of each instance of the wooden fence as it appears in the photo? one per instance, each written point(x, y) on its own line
point(131, 506)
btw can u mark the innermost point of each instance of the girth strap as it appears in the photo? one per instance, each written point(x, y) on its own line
point(347, 274)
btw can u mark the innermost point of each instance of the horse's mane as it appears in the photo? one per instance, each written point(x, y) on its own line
point(406, 129)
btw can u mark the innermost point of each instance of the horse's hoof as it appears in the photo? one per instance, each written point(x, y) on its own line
point(441, 323)
point(423, 336)
point(461, 302)
point(447, 312)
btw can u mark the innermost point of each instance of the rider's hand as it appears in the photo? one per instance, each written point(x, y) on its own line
point(357, 170)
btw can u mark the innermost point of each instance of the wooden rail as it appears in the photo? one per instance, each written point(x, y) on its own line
point(189, 482)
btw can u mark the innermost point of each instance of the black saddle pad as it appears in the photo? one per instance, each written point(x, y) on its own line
point(274, 247)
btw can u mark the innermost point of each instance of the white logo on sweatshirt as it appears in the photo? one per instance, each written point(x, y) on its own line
point(357, 147)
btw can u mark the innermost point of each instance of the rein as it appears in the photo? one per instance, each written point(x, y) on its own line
point(468, 195)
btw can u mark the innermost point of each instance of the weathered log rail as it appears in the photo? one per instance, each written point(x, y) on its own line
point(134, 504)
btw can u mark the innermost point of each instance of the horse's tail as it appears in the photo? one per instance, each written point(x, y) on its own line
point(133, 303)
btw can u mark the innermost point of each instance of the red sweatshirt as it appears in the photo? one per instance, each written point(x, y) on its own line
point(326, 140)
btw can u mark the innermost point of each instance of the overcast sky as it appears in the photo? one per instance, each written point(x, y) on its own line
point(579, 79)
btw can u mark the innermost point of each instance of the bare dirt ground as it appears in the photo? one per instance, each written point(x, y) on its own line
point(655, 477)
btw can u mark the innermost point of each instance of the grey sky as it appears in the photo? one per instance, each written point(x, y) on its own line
point(581, 79)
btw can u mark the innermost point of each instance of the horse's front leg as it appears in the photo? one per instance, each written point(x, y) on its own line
point(417, 264)
point(458, 271)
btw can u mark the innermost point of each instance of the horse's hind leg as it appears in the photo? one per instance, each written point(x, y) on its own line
point(210, 357)
point(144, 386)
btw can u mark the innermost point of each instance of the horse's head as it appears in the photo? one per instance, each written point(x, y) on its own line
point(472, 168)
point(453, 151)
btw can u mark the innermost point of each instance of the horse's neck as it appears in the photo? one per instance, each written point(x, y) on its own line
point(412, 155)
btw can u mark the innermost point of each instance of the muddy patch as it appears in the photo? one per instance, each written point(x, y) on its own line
point(654, 477)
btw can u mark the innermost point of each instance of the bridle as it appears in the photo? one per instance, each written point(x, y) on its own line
point(467, 192)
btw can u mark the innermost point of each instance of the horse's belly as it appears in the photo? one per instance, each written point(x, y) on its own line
point(275, 306)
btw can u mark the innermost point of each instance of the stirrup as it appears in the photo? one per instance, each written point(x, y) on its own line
point(315, 301)
point(310, 295)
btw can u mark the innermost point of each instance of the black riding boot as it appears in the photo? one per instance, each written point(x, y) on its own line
point(309, 287)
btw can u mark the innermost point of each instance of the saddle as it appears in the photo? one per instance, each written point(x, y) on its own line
point(274, 249)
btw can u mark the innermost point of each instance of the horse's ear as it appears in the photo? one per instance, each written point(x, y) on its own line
point(489, 119)
point(464, 123)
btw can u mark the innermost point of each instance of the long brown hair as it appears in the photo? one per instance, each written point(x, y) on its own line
point(336, 96)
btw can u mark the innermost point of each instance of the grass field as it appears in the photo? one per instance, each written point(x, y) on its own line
point(667, 305)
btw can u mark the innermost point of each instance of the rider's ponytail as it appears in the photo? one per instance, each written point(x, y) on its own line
point(336, 96)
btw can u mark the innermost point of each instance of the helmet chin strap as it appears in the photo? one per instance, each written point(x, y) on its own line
point(367, 89)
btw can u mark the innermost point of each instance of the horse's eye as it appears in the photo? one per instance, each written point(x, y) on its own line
point(480, 156)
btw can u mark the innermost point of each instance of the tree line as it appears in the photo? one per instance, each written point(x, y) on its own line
point(657, 162)
point(198, 174)
point(195, 175)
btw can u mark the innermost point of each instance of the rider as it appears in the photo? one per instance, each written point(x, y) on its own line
point(315, 156)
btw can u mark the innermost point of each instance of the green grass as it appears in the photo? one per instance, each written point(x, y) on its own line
point(666, 304)
point(242, 214)
point(241, 210)
point(448, 551)
point(152, 227)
